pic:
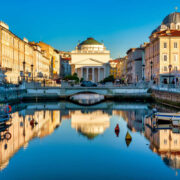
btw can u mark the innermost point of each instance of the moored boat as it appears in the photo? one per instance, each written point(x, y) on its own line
point(167, 116)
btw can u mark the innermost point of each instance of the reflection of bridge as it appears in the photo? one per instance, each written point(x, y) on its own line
point(102, 106)
point(108, 92)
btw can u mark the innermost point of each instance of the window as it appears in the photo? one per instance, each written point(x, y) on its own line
point(175, 142)
point(175, 45)
point(175, 57)
point(165, 141)
point(165, 68)
point(165, 45)
point(165, 57)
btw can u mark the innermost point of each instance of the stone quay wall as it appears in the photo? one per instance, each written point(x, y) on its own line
point(12, 95)
point(166, 97)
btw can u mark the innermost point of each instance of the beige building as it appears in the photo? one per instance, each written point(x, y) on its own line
point(90, 60)
point(21, 59)
point(162, 53)
point(16, 55)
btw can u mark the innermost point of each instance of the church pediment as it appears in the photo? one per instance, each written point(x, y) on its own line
point(89, 61)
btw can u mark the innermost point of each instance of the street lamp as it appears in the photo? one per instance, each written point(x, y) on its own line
point(32, 71)
point(170, 67)
point(24, 66)
point(151, 63)
point(143, 67)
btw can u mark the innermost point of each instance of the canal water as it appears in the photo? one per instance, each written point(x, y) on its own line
point(68, 141)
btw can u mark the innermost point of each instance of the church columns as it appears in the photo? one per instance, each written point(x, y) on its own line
point(98, 74)
point(93, 74)
point(87, 73)
point(82, 72)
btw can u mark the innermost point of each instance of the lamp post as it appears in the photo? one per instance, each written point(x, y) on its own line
point(32, 71)
point(24, 66)
point(151, 63)
point(143, 67)
point(170, 67)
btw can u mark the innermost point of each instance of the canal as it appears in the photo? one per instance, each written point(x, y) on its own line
point(62, 140)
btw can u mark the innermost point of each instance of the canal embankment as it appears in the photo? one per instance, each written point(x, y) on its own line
point(167, 96)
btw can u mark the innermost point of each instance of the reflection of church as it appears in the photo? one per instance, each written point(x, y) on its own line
point(90, 124)
point(90, 60)
point(165, 143)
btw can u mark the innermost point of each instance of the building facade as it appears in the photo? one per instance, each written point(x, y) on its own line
point(162, 56)
point(16, 55)
point(162, 63)
point(54, 59)
point(21, 59)
point(90, 60)
point(65, 59)
point(134, 64)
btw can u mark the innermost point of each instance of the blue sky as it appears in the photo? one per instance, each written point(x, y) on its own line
point(120, 24)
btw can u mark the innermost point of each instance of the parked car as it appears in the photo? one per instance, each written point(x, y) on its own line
point(88, 84)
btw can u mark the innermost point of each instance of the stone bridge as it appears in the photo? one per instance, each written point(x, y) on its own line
point(67, 92)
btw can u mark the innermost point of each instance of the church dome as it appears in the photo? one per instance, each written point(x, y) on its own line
point(172, 18)
point(90, 41)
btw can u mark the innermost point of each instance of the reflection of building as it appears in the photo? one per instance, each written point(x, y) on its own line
point(22, 131)
point(90, 60)
point(90, 124)
point(165, 143)
point(134, 119)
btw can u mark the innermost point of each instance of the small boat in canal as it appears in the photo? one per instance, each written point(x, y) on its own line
point(167, 116)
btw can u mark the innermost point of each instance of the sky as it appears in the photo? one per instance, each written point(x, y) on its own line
point(121, 24)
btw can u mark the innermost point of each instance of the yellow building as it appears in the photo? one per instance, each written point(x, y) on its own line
point(113, 68)
point(118, 67)
point(54, 59)
point(40, 62)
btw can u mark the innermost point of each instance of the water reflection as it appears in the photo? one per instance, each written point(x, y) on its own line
point(110, 122)
point(90, 124)
point(164, 142)
point(22, 131)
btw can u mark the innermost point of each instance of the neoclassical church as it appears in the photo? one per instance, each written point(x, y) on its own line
point(90, 60)
point(171, 21)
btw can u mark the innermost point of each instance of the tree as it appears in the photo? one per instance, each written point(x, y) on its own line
point(72, 77)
